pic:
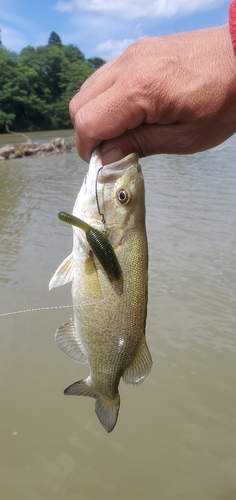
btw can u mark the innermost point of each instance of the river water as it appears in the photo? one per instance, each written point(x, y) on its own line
point(176, 434)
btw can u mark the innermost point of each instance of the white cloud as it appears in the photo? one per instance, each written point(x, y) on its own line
point(110, 49)
point(107, 27)
point(63, 6)
point(13, 39)
point(138, 9)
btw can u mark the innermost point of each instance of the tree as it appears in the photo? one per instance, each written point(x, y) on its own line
point(73, 54)
point(37, 85)
point(54, 39)
point(96, 62)
point(8, 65)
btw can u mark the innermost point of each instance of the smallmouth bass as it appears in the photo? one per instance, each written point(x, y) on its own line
point(108, 268)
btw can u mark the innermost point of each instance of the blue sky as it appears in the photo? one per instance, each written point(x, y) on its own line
point(103, 28)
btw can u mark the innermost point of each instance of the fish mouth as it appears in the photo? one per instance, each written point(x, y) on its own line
point(120, 165)
point(99, 173)
point(111, 170)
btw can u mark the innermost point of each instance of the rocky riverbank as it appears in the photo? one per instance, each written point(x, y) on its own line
point(29, 148)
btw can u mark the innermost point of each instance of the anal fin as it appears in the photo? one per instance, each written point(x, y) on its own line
point(69, 342)
point(141, 365)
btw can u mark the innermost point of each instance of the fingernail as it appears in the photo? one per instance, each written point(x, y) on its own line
point(111, 155)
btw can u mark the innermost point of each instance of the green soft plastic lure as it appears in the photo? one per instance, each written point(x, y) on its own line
point(99, 244)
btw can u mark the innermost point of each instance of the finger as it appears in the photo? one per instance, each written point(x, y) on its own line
point(97, 83)
point(106, 117)
point(110, 154)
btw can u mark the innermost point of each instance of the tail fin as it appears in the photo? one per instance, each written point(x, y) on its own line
point(106, 408)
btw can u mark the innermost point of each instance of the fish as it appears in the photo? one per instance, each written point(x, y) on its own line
point(108, 269)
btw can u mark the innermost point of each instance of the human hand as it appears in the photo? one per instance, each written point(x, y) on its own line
point(174, 94)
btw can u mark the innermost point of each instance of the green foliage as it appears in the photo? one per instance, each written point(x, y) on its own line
point(37, 85)
point(54, 39)
point(96, 62)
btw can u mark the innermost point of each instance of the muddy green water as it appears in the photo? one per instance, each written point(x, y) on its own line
point(176, 434)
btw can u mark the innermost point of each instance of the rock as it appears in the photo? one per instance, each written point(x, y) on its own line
point(7, 150)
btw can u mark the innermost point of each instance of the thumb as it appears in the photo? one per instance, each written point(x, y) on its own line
point(146, 140)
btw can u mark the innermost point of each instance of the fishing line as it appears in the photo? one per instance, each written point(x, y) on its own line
point(96, 193)
point(34, 309)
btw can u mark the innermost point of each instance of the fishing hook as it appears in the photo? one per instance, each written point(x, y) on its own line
point(96, 193)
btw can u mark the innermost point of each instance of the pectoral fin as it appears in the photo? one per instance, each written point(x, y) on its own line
point(64, 273)
point(69, 342)
point(99, 244)
point(140, 366)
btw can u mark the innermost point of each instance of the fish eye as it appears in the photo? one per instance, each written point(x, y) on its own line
point(123, 196)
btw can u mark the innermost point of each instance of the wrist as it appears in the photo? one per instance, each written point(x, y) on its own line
point(230, 74)
point(232, 23)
